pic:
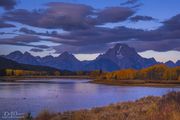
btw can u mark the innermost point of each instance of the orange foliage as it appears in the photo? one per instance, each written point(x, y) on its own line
point(156, 72)
point(128, 74)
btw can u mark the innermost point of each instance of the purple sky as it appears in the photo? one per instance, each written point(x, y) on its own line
point(87, 28)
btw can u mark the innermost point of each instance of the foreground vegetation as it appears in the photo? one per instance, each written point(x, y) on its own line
point(166, 107)
point(148, 83)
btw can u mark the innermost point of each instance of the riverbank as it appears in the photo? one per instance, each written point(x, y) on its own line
point(150, 83)
point(15, 78)
point(166, 107)
point(158, 83)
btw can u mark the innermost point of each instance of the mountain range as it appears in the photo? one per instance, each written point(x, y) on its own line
point(121, 56)
point(10, 64)
point(172, 64)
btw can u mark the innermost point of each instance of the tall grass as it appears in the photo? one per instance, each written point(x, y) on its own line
point(166, 107)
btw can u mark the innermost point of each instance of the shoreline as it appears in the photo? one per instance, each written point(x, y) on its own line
point(143, 83)
point(146, 108)
point(13, 79)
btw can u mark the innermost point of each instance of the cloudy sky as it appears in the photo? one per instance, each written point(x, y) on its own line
point(87, 28)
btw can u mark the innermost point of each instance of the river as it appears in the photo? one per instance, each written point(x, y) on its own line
point(59, 95)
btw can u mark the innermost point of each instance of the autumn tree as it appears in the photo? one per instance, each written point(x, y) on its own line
point(156, 72)
point(95, 73)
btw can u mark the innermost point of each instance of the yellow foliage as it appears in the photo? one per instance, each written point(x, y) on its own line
point(57, 73)
point(13, 72)
point(156, 72)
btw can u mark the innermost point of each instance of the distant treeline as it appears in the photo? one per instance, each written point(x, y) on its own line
point(25, 72)
point(18, 72)
point(156, 72)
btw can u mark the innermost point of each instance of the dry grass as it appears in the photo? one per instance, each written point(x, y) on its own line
point(166, 107)
point(158, 83)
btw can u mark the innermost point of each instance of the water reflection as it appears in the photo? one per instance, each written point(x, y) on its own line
point(67, 94)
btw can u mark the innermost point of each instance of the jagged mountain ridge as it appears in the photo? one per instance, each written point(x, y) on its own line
point(25, 58)
point(172, 64)
point(126, 57)
point(65, 61)
point(121, 56)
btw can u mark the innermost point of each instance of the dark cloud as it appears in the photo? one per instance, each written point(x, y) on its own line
point(32, 32)
point(114, 14)
point(88, 49)
point(23, 40)
point(137, 5)
point(138, 18)
point(69, 16)
point(166, 37)
point(98, 35)
point(165, 45)
point(130, 2)
point(8, 4)
point(134, 4)
point(5, 25)
point(57, 15)
point(36, 50)
point(87, 41)
point(27, 31)
point(173, 23)
point(84, 36)
point(2, 33)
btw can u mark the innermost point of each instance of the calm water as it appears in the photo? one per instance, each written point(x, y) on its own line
point(67, 94)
